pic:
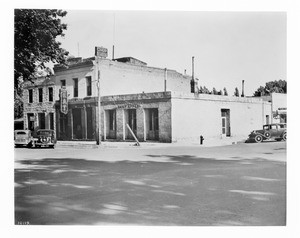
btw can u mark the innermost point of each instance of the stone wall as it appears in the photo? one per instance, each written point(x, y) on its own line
point(36, 107)
point(140, 102)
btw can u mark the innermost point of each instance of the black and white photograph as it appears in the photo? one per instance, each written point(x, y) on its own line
point(149, 117)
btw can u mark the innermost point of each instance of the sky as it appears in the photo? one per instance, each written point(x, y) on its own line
point(228, 46)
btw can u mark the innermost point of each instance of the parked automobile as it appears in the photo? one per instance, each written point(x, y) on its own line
point(276, 131)
point(23, 138)
point(45, 138)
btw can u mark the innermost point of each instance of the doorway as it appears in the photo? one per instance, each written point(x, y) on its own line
point(152, 126)
point(42, 120)
point(110, 116)
point(90, 123)
point(131, 121)
point(225, 117)
point(30, 121)
point(77, 124)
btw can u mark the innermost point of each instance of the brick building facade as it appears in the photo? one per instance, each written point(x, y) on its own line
point(39, 104)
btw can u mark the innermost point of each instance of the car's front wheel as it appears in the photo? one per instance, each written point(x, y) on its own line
point(258, 139)
point(284, 137)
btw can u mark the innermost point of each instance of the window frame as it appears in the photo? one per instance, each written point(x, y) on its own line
point(30, 95)
point(40, 94)
point(62, 83)
point(89, 85)
point(50, 94)
point(75, 87)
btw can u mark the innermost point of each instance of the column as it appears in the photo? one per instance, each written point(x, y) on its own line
point(70, 124)
point(84, 123)
point(120, 127)
point(140, 124)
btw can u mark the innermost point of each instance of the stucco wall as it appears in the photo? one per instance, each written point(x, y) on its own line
point(81, 74)
point(193, 116)
point(121, 78)
point(118, 78)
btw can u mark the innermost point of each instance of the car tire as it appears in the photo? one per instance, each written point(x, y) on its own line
point(258, 138)
point(284, 137)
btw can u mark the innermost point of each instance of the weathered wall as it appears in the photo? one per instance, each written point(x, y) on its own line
point(118, 78)
point(122, 78)
point(36, 107)
point(193, 116)
point(80, 73)
point(140, 102)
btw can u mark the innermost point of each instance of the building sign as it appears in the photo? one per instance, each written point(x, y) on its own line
point(101, 52)
point(64, 101)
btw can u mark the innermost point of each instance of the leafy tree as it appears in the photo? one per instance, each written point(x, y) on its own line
point(35, 33)
point(214, 91)
point(35, 41)
point(279, 86)
point(236, 92)
point(206, 91)
point(225, 92)
point(200, 89)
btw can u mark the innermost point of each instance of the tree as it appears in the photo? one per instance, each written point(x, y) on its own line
point(206, 91)
point(214, 91)
point(279, 86)
point(200, 89)
point(236, 92)
point(35, 41)
point(225, 92)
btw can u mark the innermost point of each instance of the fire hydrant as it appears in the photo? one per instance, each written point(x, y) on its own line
point(201, 140)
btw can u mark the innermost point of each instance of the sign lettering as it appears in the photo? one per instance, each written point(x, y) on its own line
point(64, 101)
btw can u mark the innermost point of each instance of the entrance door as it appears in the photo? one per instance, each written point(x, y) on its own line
point(30, 121)
point(131, 121)
point(110, 124)
point(225, 117)
point(152, 132)
point(89, 118)
point(63, 123)
point(42, 120)
point(77, 125)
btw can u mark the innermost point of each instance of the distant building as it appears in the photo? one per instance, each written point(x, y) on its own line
point(279, 107)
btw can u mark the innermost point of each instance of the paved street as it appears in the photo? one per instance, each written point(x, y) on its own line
point(155, 184)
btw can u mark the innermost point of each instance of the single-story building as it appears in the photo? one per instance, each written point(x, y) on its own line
point(162, 116)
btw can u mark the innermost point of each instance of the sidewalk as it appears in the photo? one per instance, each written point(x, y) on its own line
point(127, 144)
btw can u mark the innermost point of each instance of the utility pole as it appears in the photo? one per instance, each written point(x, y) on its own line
point(193, 79)
point(99, 101)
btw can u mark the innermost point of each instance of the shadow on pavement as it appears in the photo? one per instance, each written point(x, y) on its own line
point(187, 190)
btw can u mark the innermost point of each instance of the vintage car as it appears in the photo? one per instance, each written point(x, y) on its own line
point(23, 138)
point(44, 138)
point(276, 131)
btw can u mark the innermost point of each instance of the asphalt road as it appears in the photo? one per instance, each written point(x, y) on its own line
point(242, 184)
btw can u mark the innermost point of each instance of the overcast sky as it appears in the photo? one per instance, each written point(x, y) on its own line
point(228, 46)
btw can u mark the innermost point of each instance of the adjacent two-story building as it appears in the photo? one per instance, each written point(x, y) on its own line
point(39, 103)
